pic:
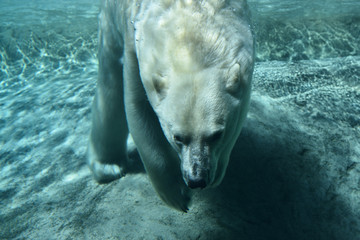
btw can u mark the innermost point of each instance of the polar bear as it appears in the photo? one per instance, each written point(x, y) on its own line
point(175, 79)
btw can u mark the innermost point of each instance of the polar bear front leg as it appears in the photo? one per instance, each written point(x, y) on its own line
point(160, 160)
point(107, 156)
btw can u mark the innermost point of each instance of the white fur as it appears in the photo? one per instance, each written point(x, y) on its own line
point(180, 71)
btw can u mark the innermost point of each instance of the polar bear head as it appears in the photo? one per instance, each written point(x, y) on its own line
point(197, 76)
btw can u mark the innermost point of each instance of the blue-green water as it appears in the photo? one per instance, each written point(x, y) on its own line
point(295, 173)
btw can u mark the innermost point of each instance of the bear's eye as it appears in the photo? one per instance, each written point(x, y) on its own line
point(215, 136)
point(180, 140)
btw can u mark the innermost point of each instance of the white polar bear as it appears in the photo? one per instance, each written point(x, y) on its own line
point(176, 74)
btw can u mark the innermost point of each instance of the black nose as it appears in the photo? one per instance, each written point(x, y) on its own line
point(196, 183)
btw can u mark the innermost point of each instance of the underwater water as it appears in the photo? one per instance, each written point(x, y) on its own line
point(294, 173)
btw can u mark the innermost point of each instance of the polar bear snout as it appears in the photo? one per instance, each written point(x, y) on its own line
point(196, 183)
point(196, 167)
point(197, 177)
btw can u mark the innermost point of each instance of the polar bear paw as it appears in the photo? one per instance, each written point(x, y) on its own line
point(103, 172)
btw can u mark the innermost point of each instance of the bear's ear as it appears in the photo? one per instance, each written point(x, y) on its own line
point(160, 85)
point(234, 80)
